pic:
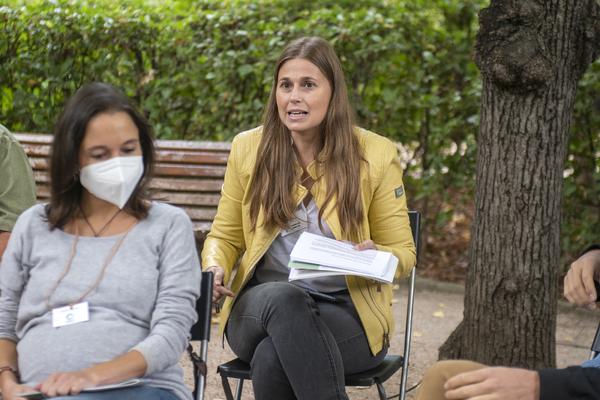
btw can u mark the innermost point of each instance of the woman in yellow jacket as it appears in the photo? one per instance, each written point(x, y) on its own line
point(306, 169)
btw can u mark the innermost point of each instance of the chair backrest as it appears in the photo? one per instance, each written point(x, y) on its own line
point(201, 329)
point(414, 218)
point(596, 343)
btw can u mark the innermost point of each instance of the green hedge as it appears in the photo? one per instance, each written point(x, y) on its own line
point(202, 70)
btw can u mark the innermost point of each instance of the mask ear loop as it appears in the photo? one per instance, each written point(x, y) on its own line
point(74, 181)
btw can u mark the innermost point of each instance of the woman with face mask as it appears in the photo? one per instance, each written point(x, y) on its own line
point(307, 168)
point(99, 285)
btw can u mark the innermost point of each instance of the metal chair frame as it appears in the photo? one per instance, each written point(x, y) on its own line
point(201, 332)
point(237, 369)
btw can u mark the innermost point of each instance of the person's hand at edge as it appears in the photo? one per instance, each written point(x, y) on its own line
point(579, 282)
point(494, 383)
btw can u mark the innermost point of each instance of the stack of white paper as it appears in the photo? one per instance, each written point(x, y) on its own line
point(316, 256)
point(124, 384)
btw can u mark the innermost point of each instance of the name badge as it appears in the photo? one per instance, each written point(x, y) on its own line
point(294, 225)
point(70, 315)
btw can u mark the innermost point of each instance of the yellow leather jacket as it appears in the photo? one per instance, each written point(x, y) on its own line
point(385, 222)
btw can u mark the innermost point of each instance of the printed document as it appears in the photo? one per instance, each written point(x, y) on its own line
point(315, 256)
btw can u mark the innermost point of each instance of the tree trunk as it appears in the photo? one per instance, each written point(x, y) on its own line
point(531, 55)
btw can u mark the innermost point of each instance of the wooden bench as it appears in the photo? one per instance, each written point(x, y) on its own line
point(187, 174)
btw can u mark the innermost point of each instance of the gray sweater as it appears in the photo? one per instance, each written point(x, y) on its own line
point(145, 302)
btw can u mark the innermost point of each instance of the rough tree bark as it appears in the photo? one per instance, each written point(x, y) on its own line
point(531, 54)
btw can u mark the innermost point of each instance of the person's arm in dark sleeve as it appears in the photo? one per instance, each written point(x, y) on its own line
point(574, 383)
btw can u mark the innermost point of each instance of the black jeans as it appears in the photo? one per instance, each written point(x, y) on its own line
point(298, 347)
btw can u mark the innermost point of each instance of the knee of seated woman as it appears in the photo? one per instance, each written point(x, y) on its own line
point(265, 355)
point(284, 295)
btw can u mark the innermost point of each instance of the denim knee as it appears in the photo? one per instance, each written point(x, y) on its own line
point(265, 360)
point(274, 292)
point(285, 298)
point(269, 380)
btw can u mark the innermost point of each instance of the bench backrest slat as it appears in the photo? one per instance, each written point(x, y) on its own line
point(187, 174)
point(202, 157)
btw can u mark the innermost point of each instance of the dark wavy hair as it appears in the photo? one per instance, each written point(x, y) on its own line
point(65, 187)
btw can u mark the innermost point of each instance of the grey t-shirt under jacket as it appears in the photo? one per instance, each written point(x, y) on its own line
point(144, 302)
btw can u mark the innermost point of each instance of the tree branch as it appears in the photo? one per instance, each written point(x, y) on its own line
point(509, 50)
point(592, 33)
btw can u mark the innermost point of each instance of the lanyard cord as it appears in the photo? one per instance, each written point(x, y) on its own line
point(107, 261)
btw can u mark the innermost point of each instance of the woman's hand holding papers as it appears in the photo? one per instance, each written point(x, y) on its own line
point(316, 256)
point(366, 245)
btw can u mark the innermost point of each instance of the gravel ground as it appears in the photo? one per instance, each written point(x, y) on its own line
point(438, 309)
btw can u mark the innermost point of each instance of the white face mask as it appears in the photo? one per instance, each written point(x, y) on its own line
point(113, 180)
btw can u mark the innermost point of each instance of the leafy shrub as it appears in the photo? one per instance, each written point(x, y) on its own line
point(202, 70)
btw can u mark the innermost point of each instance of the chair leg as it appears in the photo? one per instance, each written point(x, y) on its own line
point(199, 395)
point(408, 334)
point(226, 388)
point(381, 391)
point(238, 392)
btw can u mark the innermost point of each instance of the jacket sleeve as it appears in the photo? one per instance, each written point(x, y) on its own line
point(17, 187)
point(225, 241)
point(570, 383)
point(388, 216)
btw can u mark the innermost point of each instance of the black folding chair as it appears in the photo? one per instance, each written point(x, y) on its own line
point(237, 369)
point(201, 331)
point(595, 349)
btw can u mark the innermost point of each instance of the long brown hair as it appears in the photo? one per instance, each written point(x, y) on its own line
point(338, 161)
point(65, 188)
